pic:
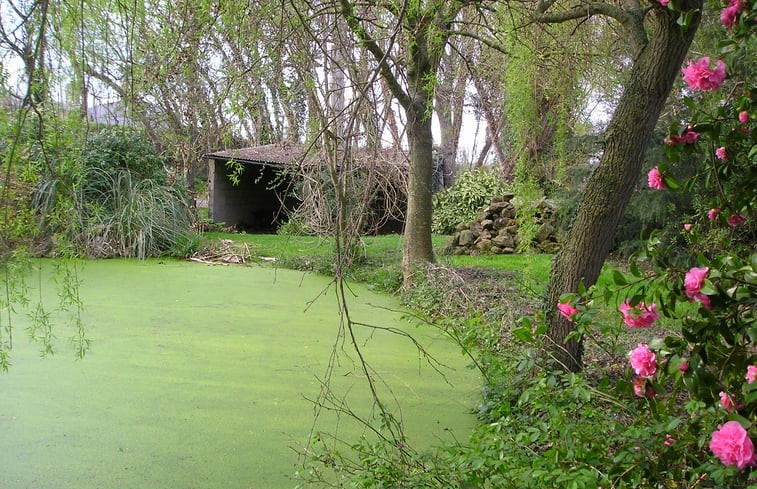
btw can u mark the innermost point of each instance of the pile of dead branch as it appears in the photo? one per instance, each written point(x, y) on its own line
point(462, 292)
point(360, 193)
point(223, 252)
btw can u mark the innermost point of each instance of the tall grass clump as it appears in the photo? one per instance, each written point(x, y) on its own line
point(116, 198)
point(139, 218)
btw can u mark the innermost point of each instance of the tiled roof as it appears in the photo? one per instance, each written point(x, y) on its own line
point(278, 154)
point(269, 153)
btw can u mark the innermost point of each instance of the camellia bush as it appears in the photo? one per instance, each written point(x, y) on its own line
point(699, 382)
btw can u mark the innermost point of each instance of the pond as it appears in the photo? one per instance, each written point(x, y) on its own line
point(200, 377)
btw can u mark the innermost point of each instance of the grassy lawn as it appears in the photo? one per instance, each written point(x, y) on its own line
point(381, 251)
point(198, 377)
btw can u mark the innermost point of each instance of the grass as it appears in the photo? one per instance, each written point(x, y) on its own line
point(376, 248)
point(198, 378)
point(273, 245)
point(381, 256)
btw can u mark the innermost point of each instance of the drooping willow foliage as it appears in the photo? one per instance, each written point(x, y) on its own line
point(63, 194)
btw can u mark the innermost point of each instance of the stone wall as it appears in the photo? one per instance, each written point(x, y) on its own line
point(494, 230)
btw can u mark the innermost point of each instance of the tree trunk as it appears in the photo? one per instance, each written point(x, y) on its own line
point(491, 108)
point(450, 101)
point(450, 136)
point(610, 187)
point(416, 243)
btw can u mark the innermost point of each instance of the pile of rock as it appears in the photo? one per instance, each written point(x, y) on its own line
point(494, 230)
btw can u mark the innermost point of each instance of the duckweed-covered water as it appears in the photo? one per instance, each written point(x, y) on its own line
point(198, 377)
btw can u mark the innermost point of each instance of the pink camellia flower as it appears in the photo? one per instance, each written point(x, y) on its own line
point(693, 284)
point(689, 136)
point(654, 177)
point(726, 402)
point(688, 226)
point(721, 153)
point(728, 17)
point(567, 310)
point(730, 14)
point(694, 279)
point(751, 374)
point(712, 214)
point(699, 76)
point(638, 386)
point(641, 316)
point(732, 445)
point(641, 388)
point(643, 361)
point(735, 220)
point(683, 367)
point(743, 116)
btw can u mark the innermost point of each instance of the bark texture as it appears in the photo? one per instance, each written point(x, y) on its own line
point(651, 78)
point(416, 244)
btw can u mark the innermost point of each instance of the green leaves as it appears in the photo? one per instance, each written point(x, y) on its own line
point(459, 204)
point(619, 278)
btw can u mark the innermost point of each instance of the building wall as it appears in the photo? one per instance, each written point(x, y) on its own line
point(253, 204)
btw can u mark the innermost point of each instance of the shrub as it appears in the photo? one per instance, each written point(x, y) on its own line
point(115, 150)
point(458, 204)
point(295, 225)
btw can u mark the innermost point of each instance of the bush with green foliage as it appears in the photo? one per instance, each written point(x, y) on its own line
point(662, 213)
point(647, 211)
point(115, 150)
point(458, 204)
point(295, 225)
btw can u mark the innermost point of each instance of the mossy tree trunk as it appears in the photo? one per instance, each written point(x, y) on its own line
point(661, 45)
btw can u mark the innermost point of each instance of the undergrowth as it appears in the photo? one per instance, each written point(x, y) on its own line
point(538, 426)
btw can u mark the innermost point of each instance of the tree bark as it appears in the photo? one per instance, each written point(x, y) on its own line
point(416, 243)
point(450, 103)
point(610, 187)
point(491, 108)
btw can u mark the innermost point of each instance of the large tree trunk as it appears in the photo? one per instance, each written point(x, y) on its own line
point(610, 187)
point(416, 243)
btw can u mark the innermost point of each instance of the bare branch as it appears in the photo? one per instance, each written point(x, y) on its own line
point(372, 46)
point(487, 41)
point(585, 10)
point(631, 20)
